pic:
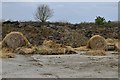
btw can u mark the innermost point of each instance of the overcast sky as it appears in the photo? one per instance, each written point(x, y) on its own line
point(74, 12)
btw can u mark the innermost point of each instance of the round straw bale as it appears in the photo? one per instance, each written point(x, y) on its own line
point(97, 42)
point(14, 40)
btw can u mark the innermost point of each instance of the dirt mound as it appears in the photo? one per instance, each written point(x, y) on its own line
point(14, 40)
point(97, 42)
point(96, 52)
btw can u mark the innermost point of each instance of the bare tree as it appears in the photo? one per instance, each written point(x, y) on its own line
point(43, 13)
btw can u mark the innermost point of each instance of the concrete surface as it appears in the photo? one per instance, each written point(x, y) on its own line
point(61, 66)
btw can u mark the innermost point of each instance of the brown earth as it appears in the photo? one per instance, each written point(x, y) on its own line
point(68, 34)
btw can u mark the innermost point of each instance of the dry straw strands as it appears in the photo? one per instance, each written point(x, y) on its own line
point(96, 52)
point(52, 44)
point(118, 45)
point(25, 50)
point(116, 53)
point(50, 47)
point(6, 53)
point(109, 40)
point(110, 44)
point(82, 48)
